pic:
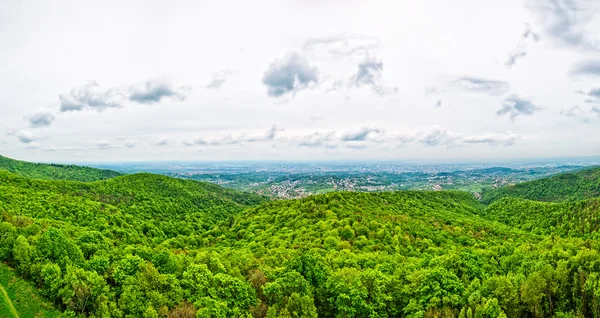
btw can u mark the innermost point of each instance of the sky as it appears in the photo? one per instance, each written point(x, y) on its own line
point(434, 80)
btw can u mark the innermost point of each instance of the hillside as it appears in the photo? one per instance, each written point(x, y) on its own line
point(55, 171)
point(132, 206)
point(19, 298)
point(145, 245)
point(576, 219)
point(574, 186)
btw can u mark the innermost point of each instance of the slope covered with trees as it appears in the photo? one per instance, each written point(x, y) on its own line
point(55, 171)
point(574, 186)
point(576, 219)
point(151, 246)
point(138, 208)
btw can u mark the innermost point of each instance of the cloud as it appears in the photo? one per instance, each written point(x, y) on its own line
point(41, 118)
point(289, 75)
point(480, 85)
point(33, 146)
point(154, 90)
point(593, 95)
point(103, 144)
point(369, 74)
point(24, 136)
point(505, 138)
point(585, 68)
point(580, 114)
point(436, 136)
point(162, 141)
point(196, 141)
point(219, 78)
point(319, 139)
point(343, 45)
point(516, 106)
point(63, 149)
point(130, 143)
point(271, 134)
point(362, 134)
point(90, 96)
point(521, 48)
point(565, 21)
point(314, 119)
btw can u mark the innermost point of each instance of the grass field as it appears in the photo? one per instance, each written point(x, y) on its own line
point(19, 298)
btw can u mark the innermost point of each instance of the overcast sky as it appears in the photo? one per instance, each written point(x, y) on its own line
point(299, 80)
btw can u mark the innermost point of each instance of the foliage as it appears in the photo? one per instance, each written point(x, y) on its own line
point(152, 246)
point(575, 186)
point(55, 171)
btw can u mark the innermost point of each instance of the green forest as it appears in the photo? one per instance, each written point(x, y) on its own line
point(95, 243)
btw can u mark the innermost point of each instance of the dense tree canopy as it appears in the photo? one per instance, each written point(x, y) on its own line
point(574, 186)
point(151, 246)
point(55, 171)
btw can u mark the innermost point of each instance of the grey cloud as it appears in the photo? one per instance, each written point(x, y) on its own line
point(593, 96)
point(272, 133)
point(103, 144)
point(585, 68)
point(580, 114)
point(595, 93)
point(130, 143)
point(89, 96)
point(41, 118)
point(197, 141)
point(24, 136)
point(515, 106)
point(163, 141)
point(219, 78)
point(153, 91)
point(436, 136)
point(65, 149)
point(343, 45)
point(480, 85)
point(369, 74)
point(521, 48)
point(566, 21)
point(507, 139)
point(362, 134)
point(318, 139)
point(289, 75)
point(33, 146)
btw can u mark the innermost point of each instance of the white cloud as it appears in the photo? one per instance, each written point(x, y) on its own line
point(462, 55)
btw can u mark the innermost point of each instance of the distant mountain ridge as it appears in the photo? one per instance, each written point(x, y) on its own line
point(55, 171)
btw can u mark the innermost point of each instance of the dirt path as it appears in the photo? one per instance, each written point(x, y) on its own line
point(9, 303)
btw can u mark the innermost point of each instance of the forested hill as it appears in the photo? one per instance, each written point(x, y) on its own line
point(145, 245)
point(156, 205)
point(574, 186)
point(55, 171)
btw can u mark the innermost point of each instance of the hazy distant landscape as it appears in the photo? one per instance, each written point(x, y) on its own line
point(296, 180)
